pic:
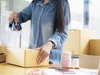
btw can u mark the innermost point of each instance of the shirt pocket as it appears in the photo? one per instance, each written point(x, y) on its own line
point(48, 19)
point(47, 22)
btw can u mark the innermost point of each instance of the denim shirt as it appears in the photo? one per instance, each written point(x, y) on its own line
point(41, 29)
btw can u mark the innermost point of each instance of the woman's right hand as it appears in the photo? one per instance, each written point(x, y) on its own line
point(13, 17)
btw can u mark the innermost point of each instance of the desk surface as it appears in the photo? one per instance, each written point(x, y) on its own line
point(7, 69)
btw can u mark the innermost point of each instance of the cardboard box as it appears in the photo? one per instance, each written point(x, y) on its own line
point(99, 68)
point(2, 57)
point(2, 49)
point(95, 47)
point(24, 57)
point(89, 61)
point(78, 41)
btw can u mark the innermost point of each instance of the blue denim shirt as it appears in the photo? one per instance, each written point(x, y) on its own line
point(41, 31)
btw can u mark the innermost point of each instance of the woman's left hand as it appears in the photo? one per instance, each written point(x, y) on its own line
point(44, 52)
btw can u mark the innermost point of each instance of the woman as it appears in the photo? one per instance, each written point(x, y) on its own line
point(49, 26)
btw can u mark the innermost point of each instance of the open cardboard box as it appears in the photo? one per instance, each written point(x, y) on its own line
point(89, 61)
point(24, 57)
point(2, 57)
point(1, 51)
point(95, 47)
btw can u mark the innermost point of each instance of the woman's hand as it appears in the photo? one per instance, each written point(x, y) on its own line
point(13, 17)
point(44, 52)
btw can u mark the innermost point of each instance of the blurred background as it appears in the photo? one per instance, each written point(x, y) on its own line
point(85, 15)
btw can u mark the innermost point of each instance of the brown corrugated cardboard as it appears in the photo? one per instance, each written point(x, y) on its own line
point(95, 47)
point(89, 61)
point(2, 57)
point(24, 57)
point(2, 49)
point(78, 41)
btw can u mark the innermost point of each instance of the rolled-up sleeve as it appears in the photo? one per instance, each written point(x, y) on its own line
point(25, 14)
point(59, 37)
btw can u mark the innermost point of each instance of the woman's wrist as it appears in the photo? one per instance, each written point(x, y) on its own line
point(51, 43)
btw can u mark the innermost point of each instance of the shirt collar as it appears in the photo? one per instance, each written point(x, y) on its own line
point(51, 2)
point(39, 2)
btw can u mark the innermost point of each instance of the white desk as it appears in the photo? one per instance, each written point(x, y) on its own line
point(77, 72)
point(6, 69)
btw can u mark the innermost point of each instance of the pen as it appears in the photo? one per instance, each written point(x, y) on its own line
point(65, 70)
point(71, 67)
point(68, 72)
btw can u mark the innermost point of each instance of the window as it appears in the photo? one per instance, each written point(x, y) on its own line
point(76, 7)
point(95, 17)
point(8, 37)
point(89, 9)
